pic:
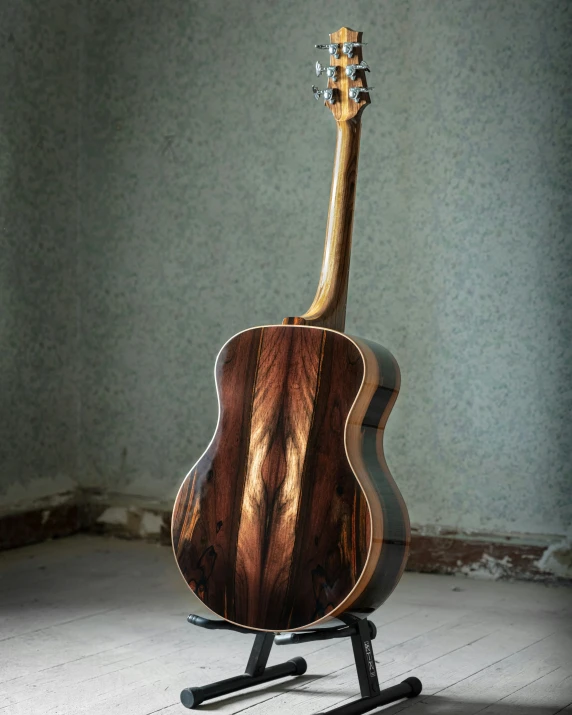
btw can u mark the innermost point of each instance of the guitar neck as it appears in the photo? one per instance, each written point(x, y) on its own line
point(347, 96)
point(329, 307)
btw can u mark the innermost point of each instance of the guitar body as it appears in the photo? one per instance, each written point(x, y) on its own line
point(291, 516)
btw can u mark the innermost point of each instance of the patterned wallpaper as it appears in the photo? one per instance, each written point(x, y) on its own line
point(204, 178)
point(39, 114)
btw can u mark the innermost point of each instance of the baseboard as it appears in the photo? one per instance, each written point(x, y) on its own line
point(531, 557)
point(51, 518)
point(491, 556)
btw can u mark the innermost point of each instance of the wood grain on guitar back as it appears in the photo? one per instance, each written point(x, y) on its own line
point(291, 515)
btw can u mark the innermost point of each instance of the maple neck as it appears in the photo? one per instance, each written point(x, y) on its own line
point(328, 309)
point(329, 306)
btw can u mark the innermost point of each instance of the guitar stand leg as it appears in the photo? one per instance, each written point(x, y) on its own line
point(256, 673)
point(371, 695)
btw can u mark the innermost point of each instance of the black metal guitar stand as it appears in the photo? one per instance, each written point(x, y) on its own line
point(360, 630)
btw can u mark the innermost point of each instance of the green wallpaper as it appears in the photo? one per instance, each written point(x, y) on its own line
point(39, 151)
point(203, 185)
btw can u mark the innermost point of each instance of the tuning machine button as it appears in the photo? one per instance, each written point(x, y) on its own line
point(356, 91)
point(348, 47)
point(330, 70)
point(351, 70)
point(327, 94)
point(332, 49)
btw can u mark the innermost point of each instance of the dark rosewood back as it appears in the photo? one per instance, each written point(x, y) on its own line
point(291, 516)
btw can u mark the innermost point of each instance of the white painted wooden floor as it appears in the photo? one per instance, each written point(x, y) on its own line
point(94, 626)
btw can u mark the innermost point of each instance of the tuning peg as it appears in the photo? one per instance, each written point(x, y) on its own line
point(327, 94)
point(348, 47)
point(332, 49)
point(352, 69)
point(356, 91)
point(330, 71)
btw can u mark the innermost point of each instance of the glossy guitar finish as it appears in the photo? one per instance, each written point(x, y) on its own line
point(291, 515)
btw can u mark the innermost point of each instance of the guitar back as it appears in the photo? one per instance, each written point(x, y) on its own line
point(291, 515)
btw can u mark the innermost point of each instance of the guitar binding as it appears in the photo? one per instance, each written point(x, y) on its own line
point(360, 630)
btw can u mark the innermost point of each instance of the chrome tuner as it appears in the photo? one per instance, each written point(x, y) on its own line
point(332, 49)
point(327, 94)
point(351, 70)
point(356, 91)
point(348, 47)
point(330, 70)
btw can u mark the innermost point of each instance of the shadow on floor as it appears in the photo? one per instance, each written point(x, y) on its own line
point(441, 705)
point(431, 705)
point(298, 685)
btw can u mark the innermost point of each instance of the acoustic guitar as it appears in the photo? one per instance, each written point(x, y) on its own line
point(291, 516)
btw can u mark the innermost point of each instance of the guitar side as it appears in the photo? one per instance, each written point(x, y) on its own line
point(364, 443)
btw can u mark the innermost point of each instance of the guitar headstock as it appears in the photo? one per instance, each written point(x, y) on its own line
point(347, 92)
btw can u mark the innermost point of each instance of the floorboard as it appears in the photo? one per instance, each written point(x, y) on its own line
point(95, 626)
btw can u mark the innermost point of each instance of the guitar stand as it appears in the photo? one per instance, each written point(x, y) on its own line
point(360, 630)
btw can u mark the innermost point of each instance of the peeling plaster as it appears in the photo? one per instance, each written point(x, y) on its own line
point(488, 568)
point(37, 493)
point(132, 521)
point(115, 515)
point(557, 559)
point(150, 524)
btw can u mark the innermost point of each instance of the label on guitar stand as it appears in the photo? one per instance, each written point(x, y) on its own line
point(370, 659)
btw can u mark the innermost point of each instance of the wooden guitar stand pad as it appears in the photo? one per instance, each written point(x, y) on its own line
point(360, 630)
